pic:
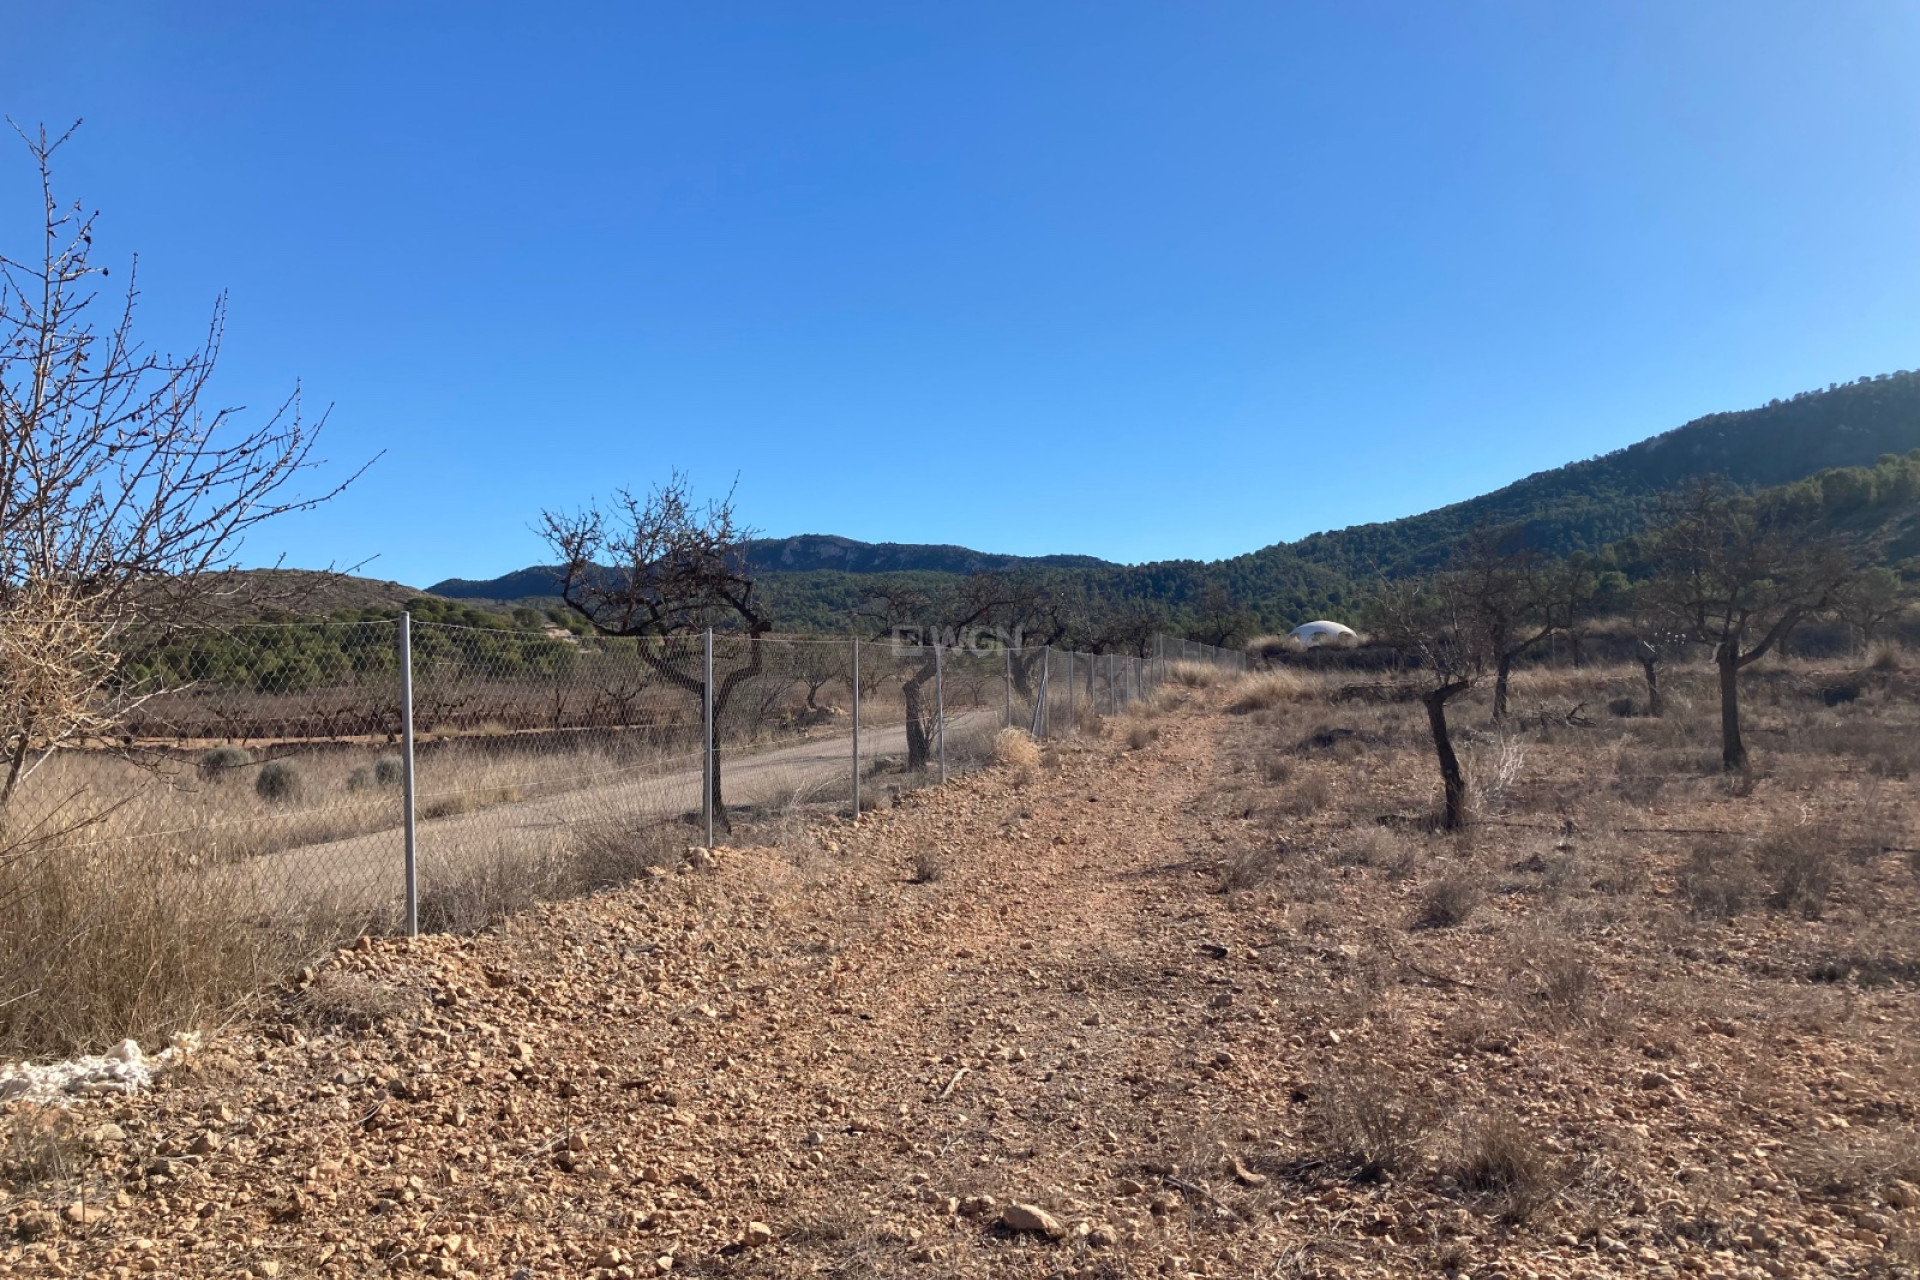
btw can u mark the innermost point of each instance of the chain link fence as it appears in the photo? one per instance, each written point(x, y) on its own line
point(392, 775)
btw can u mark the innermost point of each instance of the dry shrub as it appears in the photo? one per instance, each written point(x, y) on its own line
point(1887, 657)
point(610, 852)
point(1141, 736)
point(1307, 797)
point(353, 1002)
point(1264, 691)
point(1362, 1128)
point(1448, 901)
point(217, 762)
point(40, 1145)
point(927, 867)
point(1196, 675)
point(1557, 981)
point(1016, 749)
point(1089, 723)
point(55, 659)
point(277, 780)
point(1378, 848)
point(1251, 868)
point(1496, 1158)
point(1279, 771)
point(101, 943)
point(1800, 867)
point(1855, 1165)
point(1715, 884)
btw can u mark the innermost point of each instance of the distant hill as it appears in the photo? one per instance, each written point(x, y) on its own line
point(813, 580)
point(1585, 505)
point(803, 554)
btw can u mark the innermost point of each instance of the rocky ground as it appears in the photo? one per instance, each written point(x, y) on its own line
point(1176, 1002)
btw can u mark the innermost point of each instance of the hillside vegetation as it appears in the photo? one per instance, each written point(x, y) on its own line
point(815, 582)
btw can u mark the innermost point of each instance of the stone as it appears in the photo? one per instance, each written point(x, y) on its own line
point(1031, 1217)
point(758, 1234)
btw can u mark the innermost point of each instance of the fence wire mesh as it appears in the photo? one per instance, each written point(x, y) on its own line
point(267, 764)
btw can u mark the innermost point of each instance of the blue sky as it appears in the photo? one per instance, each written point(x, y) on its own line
point(1140, 281)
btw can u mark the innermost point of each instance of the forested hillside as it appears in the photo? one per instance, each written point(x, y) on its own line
point(815, 582)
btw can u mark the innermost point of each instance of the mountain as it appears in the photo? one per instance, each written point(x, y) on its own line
point(813, 580)
point(1585, 505)
point(803, 554)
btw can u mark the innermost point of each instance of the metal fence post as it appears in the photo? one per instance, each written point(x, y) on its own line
point(706, 772)
point(406, 774)
point(1113, 690)
point(1046, 712)
point(1073, 721)
point(1009, 679)
point(856, 727)
point(940, 708)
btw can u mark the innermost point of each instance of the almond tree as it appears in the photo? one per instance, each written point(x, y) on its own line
point(125, 494)
point(1434, 628)
point(1738, 574)
point(659, 570)
point(1513, 599)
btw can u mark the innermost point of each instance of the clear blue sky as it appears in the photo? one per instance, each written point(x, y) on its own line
point(1134, 280)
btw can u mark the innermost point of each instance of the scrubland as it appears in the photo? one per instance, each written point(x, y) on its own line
point(1200, 991)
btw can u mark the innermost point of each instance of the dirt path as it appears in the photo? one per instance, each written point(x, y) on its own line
point(363, 871)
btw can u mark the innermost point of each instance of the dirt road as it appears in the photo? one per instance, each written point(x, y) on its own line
point(365, 871)
point(850, 1055)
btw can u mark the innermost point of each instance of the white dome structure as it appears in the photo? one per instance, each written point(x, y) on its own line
point(1313, 635)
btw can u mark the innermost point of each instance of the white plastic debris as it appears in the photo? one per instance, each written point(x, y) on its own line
point(123, 1069)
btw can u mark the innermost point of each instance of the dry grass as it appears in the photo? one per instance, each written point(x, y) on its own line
point(1141, 736)
point(187, 887)
point(1198, 675)
point(101, 943)
point(1016, 749)
point(1366, 1127)
point(40, 1146)
point(352, 1002)
point(1263, 691)
point(1449, 901)
point(1497, 1159)
point(928, 867)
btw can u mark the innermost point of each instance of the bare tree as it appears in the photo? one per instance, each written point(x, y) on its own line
point(1873, 598)
point(124, 494)
point(1513, 599)
point(658, 570)
point(982, 600)
point(1434, 627)
point(1655, 642)
point(1219, 617)
point(1739, 573)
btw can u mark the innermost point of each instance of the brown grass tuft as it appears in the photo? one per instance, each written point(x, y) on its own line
point(1016, 749)
point(1263, 691)
point(1364, 1127)
point(1449, 901)
point(1498, 1159)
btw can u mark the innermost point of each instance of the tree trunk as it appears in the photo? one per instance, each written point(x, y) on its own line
point(1502, 669)
point(1452, 780)
point(19, 758)
point(919, 741)
point(1656, 704)
point(1733, 752)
